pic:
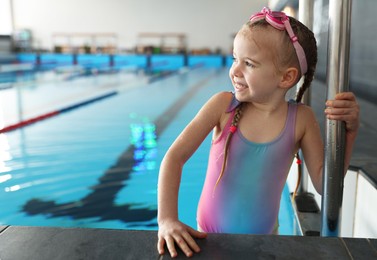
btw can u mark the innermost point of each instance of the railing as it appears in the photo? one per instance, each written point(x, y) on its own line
point(337, 81)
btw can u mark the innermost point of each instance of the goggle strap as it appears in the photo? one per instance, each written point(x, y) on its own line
point(277, 24)
point(299, 50)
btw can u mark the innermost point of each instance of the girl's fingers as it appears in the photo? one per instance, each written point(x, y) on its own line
point(344, 99)
point(171, 247)
point(345, 95)
point(341, 117)
point(349, 116)
point(341, 114)
point(185, 242)
point(340, 111)
point(161, 245)
point(191, 242)
point(183, 237)
point(342, 104)
point(182, 243)
point(197, 234)
point(344, 108)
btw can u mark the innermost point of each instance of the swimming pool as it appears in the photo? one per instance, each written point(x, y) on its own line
point(97, 166)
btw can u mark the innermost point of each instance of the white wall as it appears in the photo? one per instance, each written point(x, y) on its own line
point(207, 23)
point(365, 224)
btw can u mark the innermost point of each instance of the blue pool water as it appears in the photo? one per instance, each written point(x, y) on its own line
point(97, 166)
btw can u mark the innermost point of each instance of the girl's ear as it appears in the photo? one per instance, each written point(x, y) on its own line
point(290, 77)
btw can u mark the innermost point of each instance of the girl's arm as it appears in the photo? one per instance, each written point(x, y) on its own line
point(344, 108)
point(171, 230)
point(311, 145)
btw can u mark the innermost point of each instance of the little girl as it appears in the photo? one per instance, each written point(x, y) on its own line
point(256, 134)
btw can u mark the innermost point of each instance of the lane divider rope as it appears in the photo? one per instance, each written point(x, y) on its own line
point(33, 120)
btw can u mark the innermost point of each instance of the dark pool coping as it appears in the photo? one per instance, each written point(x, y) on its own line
point(364, 157)
point(40, 243)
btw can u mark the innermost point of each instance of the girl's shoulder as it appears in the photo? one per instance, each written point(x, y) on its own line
point(217, 110)
point(304, 112)
point(305, 120)
point(227, 95)
point(224, 101)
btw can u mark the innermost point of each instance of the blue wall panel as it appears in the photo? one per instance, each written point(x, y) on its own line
point(209, 61)
point(124, 61)
point(167, 62)
point(27, 58)
point(93, 60)
point(51, 60)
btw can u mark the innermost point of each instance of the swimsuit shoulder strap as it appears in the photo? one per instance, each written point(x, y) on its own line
point(233, 104)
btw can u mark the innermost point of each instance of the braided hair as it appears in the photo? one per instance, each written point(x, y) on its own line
point(287, 57)
point(233, 127)
point(307, 40)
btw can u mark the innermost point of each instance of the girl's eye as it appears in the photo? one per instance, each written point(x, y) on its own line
point(234, 59)
point(249, 64)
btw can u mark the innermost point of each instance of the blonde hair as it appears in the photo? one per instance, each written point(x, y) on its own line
point(287, 57)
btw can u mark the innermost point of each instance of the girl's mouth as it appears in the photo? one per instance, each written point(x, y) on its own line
point(239, 86)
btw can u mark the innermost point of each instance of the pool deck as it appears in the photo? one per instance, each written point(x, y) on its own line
point(39, 243)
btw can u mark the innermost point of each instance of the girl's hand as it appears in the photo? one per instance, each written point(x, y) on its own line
point(345, 108)
point(174, 231)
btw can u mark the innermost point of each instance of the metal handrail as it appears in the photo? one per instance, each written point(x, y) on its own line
point(337, 81)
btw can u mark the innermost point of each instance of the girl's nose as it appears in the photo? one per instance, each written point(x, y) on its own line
point(236, 70)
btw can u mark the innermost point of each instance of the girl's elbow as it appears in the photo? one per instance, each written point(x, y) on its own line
point(319, 190)
point(318, 180)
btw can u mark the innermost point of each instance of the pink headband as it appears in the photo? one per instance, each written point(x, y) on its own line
point(281, 22)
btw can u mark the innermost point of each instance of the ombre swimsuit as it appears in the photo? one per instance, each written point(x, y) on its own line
point(247, 198)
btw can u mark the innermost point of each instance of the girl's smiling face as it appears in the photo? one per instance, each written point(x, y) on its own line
point(254, 72)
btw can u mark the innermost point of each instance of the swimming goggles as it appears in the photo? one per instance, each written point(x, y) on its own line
point(280, 21)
